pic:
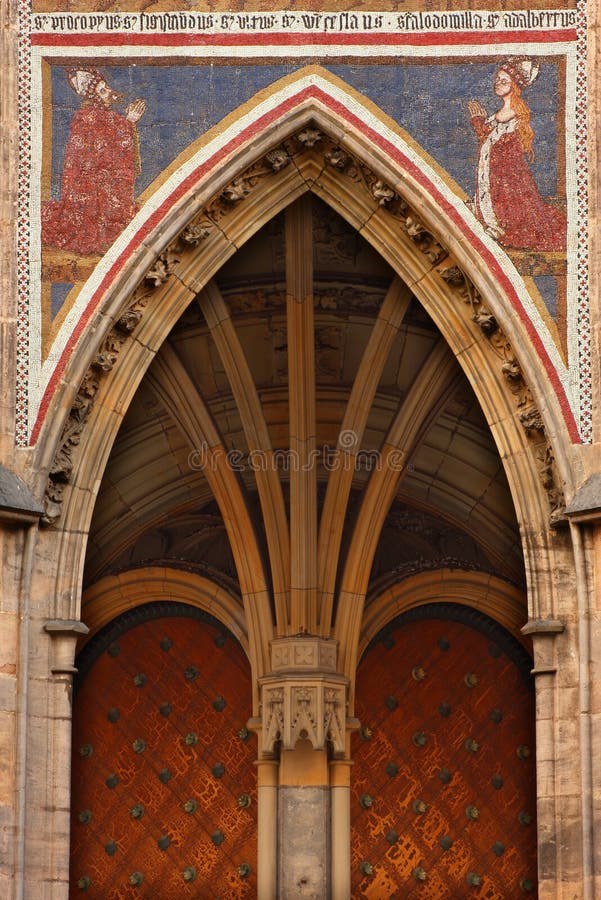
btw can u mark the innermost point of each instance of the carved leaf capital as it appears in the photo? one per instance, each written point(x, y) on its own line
point(313, 709)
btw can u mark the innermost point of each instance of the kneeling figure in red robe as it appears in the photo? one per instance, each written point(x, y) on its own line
point(101, 164)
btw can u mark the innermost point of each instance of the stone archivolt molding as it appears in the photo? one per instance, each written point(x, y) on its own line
point(504, 602)
point(115, 594)
point(62, 467)
point(303, 697)
point(528, 413)
point(312, 141)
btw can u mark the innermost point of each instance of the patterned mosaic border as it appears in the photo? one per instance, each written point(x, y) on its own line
point(583, 324)
point(24, 321)
point(579, 377)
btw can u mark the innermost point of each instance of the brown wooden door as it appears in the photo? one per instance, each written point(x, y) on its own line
point(164, 784)
point(443, 802)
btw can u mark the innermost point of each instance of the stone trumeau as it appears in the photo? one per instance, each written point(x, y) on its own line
point(300, 455)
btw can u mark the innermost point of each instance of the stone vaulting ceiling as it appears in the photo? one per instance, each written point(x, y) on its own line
point(452, 506)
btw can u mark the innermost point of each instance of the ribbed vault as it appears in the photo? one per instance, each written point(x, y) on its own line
point(304, 434)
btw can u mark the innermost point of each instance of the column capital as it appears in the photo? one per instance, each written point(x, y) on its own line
point(304, 696)
point(64, 634)
point(543, 627)
point(542, 631)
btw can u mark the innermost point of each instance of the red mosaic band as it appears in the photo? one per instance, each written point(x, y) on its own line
point(125, 39)
point(582, 313)
point(23, 229)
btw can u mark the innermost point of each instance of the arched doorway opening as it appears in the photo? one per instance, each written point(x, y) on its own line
point(318, 449)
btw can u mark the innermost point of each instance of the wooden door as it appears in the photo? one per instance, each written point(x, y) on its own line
point(164, 784)
point(443, 802)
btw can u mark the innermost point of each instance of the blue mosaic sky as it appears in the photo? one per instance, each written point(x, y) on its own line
point(429, 101)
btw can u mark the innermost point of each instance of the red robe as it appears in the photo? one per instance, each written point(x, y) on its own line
point(97, 193)
point(525, 220)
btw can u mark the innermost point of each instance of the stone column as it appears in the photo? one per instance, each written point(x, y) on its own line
point(303, 717)
point(19, 516)
point(543, 633)
point(596, 709)
point(267, 822)
point(340, 838)
point(304, 823)
point(48, 757)
point(584, 515)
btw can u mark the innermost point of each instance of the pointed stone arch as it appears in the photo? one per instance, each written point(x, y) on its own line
point(309, 132)
point(496, 598)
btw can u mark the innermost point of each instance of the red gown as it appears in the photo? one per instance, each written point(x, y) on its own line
point(97, 193)
point(524, 220)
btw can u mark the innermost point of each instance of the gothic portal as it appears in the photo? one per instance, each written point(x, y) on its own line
point(300, 480)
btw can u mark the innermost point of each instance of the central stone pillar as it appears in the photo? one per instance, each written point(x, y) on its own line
point(304, 823)
point(303, 719)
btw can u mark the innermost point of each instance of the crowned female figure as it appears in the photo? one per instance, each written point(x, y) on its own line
point(507, 201)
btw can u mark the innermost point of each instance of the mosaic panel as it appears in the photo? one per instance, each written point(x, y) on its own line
point(110, 99)
point(443, 789)
point(164, 782)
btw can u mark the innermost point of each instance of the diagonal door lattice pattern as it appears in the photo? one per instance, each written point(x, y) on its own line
point(443, 788)
point(164, 784)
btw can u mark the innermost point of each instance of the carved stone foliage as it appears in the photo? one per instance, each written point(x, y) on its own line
point(194, 234)
point(61, 469)
point(162, 268)
point(205, 223)
point(278, 159)
point(311, 708)
point(528, 413)
point(428, 245)
point(309, 136)
point(337, 158)
point(304, 697)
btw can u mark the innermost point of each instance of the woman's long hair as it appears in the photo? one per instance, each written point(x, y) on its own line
point(522, 113)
